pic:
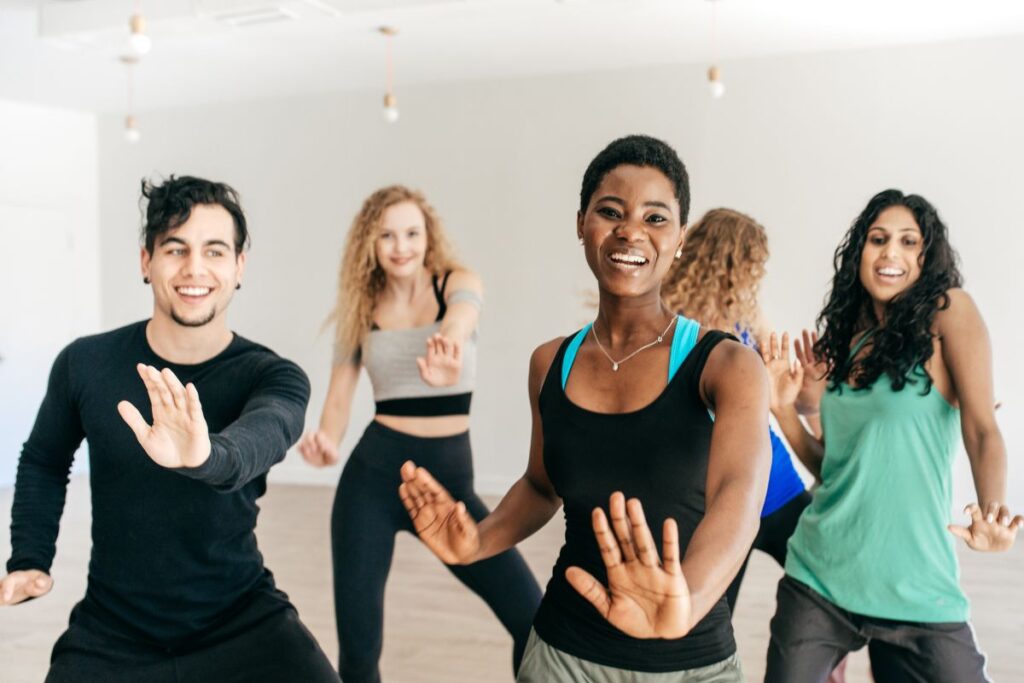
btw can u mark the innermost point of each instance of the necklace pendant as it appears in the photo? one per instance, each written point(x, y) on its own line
point(659, 340)
point(615, 367)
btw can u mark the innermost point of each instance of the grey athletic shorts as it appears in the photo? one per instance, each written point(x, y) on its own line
point(544, 664)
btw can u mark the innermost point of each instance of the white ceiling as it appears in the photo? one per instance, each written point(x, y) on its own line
point(64, 52)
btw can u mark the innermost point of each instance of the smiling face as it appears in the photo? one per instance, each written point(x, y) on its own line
point(401, 246)
point(631, 230)
point(194, 269)
point(890, 262)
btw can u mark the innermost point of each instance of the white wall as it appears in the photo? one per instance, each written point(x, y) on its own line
point(799, 142)
point(49, 237)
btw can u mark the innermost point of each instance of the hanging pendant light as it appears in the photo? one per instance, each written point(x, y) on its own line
point(390, 101)
point(138, 39)
point(132, 133)
point(715, 84)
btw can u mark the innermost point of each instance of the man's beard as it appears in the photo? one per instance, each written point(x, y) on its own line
point(194, 323)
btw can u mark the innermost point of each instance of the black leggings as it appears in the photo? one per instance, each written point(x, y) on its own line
point(772, 537)
point(366, 516)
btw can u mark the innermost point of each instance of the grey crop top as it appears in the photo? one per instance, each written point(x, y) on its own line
point(389, 357)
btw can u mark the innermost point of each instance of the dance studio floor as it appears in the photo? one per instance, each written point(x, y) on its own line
point(435, 631)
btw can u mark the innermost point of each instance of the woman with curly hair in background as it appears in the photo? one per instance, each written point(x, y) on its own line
point(715, 280)
point(909, 372)
point(407, 312)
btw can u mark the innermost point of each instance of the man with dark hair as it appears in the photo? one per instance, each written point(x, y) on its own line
point(177, 590)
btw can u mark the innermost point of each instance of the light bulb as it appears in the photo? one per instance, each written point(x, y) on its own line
point(715, 82)
point(139, 41)
point(390, 108)
point(132, 133)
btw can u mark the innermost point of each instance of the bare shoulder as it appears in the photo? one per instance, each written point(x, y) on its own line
point(733, 369)
point(730, 355)
point(961, 314)
point(540, 363)
point(465, 279)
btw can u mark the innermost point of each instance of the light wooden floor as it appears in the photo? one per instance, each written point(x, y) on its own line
point(436, 631)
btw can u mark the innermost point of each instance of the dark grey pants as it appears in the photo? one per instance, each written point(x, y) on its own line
point(810, 635)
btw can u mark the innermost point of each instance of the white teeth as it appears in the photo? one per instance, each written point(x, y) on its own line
point(890, 271)
point(628, 258)
point(193, 291)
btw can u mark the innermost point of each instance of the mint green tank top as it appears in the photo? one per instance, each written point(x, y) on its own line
point(874, 541)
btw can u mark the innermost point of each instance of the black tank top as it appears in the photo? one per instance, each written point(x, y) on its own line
point(658, 454)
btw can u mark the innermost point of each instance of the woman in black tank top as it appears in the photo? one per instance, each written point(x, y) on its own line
point(619, 421)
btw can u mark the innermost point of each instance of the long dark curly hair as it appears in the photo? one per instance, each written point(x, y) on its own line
point(902, 346)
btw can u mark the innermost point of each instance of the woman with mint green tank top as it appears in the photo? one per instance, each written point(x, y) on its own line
point(872, 562)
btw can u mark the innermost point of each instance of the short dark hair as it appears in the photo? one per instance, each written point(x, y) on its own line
point(639, 150)
point(170, 205)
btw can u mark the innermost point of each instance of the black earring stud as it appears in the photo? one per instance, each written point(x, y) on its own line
point(238, 286)
point(145, 280)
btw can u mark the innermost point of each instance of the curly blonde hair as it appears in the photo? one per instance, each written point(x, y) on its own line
point(361, 279)
point(716, 278)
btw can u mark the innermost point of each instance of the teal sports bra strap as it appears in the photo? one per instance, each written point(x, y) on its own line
point(684, 338)
point(570, 353)
point(683, 341)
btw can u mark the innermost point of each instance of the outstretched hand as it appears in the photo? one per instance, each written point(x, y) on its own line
point(993, 531)
point(785, 377)
point(442, 524)
point(21, 585)
point(815, 374)
point(318, 449)
point(178, 436)
point(442, 364)
point(645, 597)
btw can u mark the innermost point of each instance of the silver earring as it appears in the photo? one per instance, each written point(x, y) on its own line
point(581, 240)
point(679, 252)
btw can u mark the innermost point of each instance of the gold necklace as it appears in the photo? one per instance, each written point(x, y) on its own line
point(617, 363)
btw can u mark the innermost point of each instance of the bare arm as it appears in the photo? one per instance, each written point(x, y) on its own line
point(443, 524)
point(967, 353)
point(785, 380)
point(532, 501)
point(735, 386)
point(463, 314)
point(320, 448)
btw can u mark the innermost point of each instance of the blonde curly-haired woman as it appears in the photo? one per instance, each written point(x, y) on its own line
point(406, 312)
point(716, 280)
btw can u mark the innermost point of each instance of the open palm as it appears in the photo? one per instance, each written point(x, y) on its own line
point(992, 532)
point(442, 365)
point(785, 378)
point(815, 374)
point(645, 597)
point(178, 436)
point(442, 523)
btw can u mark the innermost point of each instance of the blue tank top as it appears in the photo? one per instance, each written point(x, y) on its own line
point(784, 484)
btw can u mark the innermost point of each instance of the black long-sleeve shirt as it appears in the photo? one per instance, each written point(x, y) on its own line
point(173, 549)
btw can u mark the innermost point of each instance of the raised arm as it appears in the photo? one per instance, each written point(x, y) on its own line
point(735, 387)
point(786, 384)
point(320, 448)
point(443, 524)
point(441, 365)
point(40, 488)
point(464, 297)
point(967, 353)
point(269, 423)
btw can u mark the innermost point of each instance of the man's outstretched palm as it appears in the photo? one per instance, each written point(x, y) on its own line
point(178, 436)
point(645, 597)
